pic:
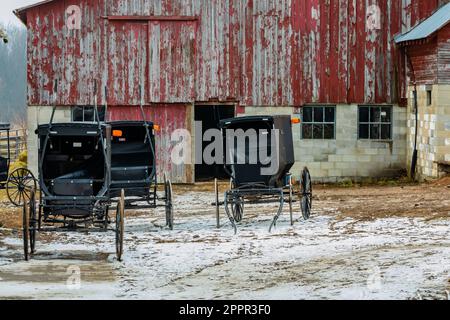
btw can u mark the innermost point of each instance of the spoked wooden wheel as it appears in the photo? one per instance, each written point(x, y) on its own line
point(306, 194)
point(120, 222)
point(169, 204)
point(19, 186)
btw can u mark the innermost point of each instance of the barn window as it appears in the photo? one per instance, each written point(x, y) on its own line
point(375, 123)
point(429, 97)
point(319, 122)
point(87, 114)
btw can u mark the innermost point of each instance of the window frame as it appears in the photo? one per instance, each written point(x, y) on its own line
point(323, 123)
point(101, 111)
point(380, 123)
point(429, 97)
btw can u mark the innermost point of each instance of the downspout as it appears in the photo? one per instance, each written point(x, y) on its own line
point(416, 129)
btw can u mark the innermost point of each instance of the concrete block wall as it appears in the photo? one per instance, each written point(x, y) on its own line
point(328, 160)
point(37, 116)
point(433, 131)
point(346, 156)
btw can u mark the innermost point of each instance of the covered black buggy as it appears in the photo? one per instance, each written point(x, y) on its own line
point(258, 157)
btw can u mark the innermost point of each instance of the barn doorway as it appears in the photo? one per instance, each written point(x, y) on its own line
point(210, 116)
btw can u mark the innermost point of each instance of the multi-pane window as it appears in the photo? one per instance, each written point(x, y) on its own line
point(319, 122)
point(375, 122)
point(87, 114)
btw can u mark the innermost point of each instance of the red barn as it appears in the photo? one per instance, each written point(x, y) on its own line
point(427, 47)
point(333, 62)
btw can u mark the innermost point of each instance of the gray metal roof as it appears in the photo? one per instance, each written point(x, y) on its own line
point(426, 28)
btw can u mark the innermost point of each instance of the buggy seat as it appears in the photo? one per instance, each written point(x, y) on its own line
point(132, 157)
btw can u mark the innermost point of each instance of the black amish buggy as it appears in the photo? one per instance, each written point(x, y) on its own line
point(20, 182)
point(133, 167)
point(270, 139)
point(87, 168)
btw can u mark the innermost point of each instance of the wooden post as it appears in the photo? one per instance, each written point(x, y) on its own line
point(17, 144)
point(216, 189)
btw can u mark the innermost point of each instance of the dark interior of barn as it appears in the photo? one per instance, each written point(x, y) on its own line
point(210, 116)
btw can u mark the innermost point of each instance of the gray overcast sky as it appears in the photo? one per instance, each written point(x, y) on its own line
point(7, 7)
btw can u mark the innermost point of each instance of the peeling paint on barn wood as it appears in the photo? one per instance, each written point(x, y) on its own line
point(444, 55)
point(169, 117)
point(265, 52)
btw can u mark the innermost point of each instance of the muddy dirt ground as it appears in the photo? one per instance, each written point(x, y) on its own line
point(373, 242)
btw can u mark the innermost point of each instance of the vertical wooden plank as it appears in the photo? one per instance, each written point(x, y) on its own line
point(247, 24)
point(169, 117)
point(342, 48)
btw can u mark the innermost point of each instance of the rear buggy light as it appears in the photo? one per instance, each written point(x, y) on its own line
point(117, 133)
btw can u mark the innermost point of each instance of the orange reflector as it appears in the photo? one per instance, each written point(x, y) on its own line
point(296, 121)
point(117, 133)
point(156, 127)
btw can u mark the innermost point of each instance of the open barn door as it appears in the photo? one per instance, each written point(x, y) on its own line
point(210, 115)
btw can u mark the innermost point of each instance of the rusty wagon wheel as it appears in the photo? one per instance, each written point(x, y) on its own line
point(120, 216)
point(169, 203)
point(19, 186)
point(306, 194)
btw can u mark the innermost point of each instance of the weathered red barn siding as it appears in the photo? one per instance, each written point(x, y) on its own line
point(257, 52)
point(170, 118)
point(424, 60)
point(443, 40)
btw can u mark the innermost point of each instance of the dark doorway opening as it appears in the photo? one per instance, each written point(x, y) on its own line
point(210, 116)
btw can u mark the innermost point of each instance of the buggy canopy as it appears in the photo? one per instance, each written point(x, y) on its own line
point(132, 157)
point(275, 151)
point(73, 161)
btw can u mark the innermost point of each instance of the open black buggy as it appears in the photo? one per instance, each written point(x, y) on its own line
point(259, 167)
point(20, 182)
point(85, 169)
point(133, 168)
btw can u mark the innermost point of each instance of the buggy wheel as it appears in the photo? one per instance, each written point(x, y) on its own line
point(169, 204)
point(306, 194)
point(25, 229)
point(19, 186)
point(120, 216)
point(33, 222)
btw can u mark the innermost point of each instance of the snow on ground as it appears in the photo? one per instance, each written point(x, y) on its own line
point(324, 257)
